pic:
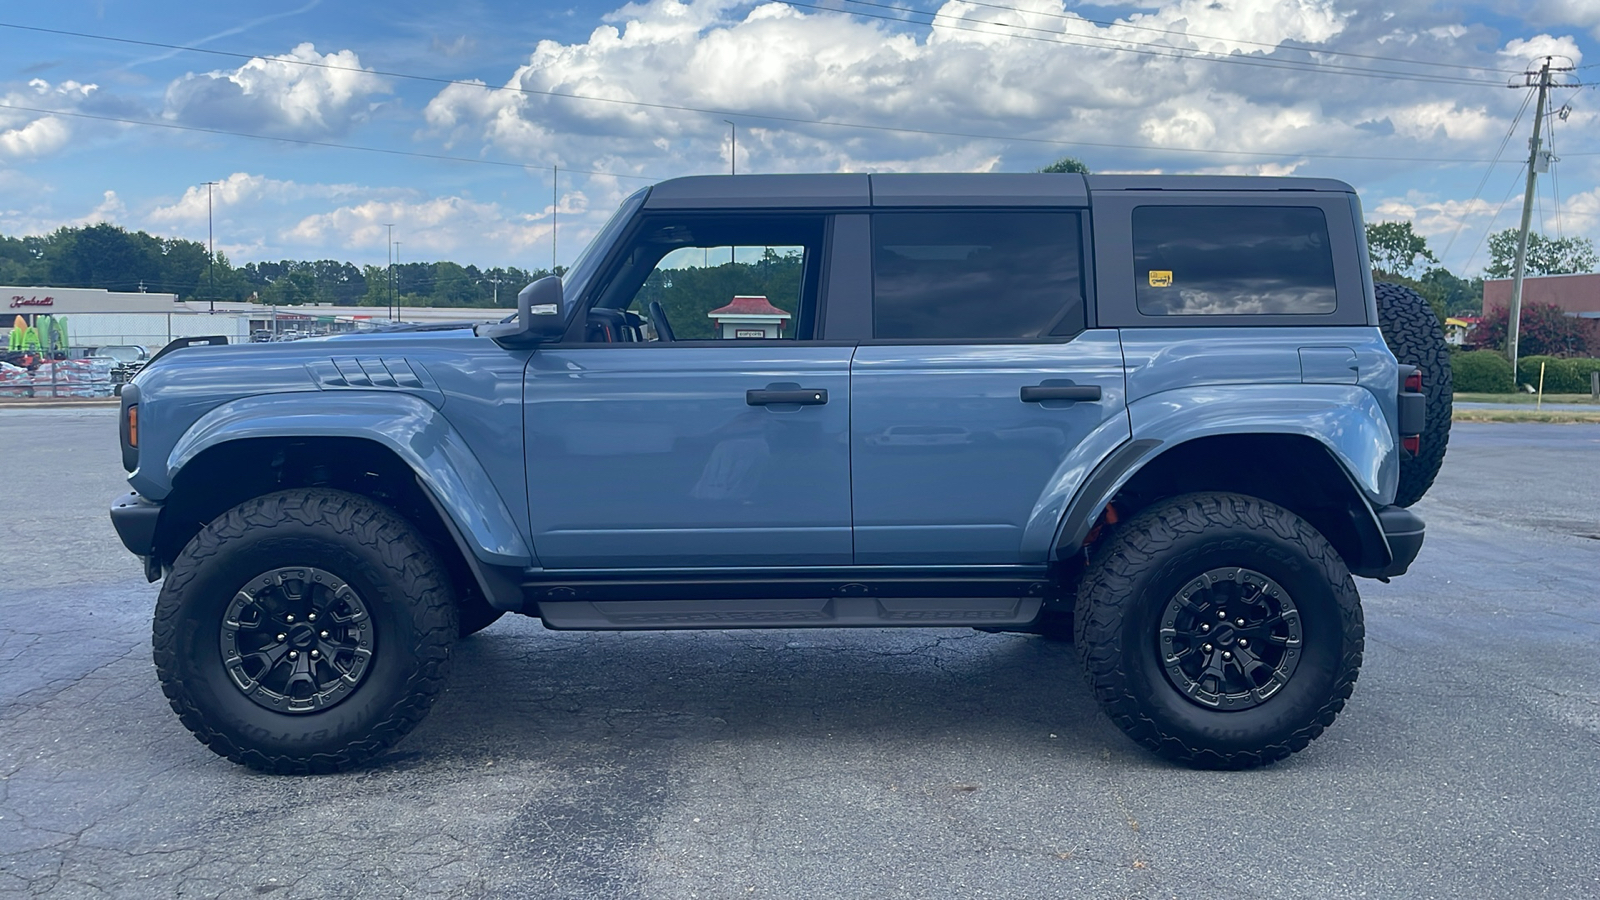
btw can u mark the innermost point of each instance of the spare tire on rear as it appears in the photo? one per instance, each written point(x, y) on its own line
point(1412, 332)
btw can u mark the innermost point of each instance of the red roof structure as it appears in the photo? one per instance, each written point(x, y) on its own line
point(1577, 295)
point(749, 306)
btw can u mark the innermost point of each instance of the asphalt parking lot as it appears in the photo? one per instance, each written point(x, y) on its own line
point(789, 764)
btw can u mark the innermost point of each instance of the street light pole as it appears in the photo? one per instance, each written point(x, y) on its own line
point(388, 248)
point(211, 250)
point(399, 299)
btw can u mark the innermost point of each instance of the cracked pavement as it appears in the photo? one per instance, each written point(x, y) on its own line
point(856, 763)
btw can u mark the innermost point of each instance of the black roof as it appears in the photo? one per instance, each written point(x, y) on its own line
point(834, 191)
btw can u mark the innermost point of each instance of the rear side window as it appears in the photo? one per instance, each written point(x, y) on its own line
point(1232, 260)
point(976, 275)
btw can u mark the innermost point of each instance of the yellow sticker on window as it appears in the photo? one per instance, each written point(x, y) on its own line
point(1160, 278)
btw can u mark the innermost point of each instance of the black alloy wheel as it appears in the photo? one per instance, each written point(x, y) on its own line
point(1230, 639)
point(297, 640)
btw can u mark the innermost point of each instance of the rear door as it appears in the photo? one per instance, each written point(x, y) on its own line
point(983, 399)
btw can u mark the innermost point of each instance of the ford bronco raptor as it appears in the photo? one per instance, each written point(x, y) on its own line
point(1162, 417)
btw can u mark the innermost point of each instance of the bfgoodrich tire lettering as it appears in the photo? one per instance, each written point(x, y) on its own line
point(1162, 552)
point(361, 543)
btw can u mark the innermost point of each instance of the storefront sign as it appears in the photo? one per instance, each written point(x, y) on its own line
point(18, 301)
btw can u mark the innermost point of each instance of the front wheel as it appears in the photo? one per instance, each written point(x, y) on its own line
point(304, 631)
point(1220, 631)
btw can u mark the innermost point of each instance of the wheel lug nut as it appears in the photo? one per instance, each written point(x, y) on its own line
point(324, 634)
point(315, 654)
point(289, 618)
point(1244, 642)
point(1227, 655)
point(312, 617)
point(1239, 622)
point(294, 654)
point(1203, 629)
point(283, 637)
point(1206, 648)
point(1221, 614)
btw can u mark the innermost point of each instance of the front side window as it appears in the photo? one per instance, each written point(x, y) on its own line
point(976, 275)
point(1232, 260)
point(709, 277)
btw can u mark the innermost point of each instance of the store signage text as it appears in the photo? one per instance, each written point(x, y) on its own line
point(20, 301)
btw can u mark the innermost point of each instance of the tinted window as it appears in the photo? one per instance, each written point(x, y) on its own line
point(976, 275)
point(1232, 260)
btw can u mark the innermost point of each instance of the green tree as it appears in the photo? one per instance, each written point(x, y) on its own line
point(1066, 165)
point(1396, 248)
point(105, 256)
point(1546, 256)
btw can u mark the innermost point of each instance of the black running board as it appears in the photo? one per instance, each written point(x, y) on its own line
point(824, 612)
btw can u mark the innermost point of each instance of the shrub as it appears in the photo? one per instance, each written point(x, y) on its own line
point(1543, 328)
point(1561, 376)
point(1482, 372)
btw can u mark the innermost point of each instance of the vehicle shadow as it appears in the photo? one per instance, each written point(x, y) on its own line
point(520, 691)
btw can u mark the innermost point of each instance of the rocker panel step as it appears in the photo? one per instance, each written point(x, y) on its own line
point(819, 612)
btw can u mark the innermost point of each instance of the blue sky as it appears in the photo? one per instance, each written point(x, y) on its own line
point(1248, 86)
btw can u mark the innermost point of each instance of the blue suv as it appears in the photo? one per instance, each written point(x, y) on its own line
point(1158, 416)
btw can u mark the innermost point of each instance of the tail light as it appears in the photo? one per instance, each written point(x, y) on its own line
point(133, 426)
point(1414, 382)
point(1412, 443)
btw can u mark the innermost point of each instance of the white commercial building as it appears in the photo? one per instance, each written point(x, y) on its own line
point(99, 318)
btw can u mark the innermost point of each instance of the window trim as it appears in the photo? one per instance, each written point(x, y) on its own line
point(1117, 305)
point(1086, 281)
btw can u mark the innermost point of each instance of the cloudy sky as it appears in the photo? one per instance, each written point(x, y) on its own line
point(323, 121)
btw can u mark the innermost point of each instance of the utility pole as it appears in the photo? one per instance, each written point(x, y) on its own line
point(388, 247)
point(400, 299)
point(211, 250)
point(1538, 161)
point(555, 210)
point(733, 148)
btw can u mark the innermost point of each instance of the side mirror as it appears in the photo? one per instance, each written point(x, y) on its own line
point(541, 317)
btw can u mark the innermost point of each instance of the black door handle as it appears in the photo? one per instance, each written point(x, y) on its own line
point(1038, 393)
point(800, 396)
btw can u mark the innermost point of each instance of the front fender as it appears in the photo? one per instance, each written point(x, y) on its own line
point(413, 429)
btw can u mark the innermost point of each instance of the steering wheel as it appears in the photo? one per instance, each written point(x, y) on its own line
point(658, 321)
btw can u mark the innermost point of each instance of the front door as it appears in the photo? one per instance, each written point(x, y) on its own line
point(688, 428)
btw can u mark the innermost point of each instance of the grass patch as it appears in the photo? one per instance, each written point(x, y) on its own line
point(1524, 398)
point(1553, 416)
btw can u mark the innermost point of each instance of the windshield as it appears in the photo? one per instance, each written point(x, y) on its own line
point(583, 268)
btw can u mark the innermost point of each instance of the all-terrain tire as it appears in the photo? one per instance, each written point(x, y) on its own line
point(1125, 618)
point(407, 621)
point(1412, 332)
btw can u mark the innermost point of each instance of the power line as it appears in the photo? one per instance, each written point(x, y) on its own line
point(1170, 53)
point(922, 131)
point(1490, 225)
point(1113, 23)
point(1526, 99)
point(309, 143)
point(725, 112)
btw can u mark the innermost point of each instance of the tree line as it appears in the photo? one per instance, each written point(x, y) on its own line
point(107, 256)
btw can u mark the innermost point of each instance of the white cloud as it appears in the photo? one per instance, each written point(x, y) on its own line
point(28, 135)
point(430, 228)
point(776, 60)
point(302, 94)
point(245, 192)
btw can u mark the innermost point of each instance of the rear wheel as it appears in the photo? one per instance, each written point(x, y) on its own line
point(304, 631)
point(1220, 631)
point(1412, 332)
